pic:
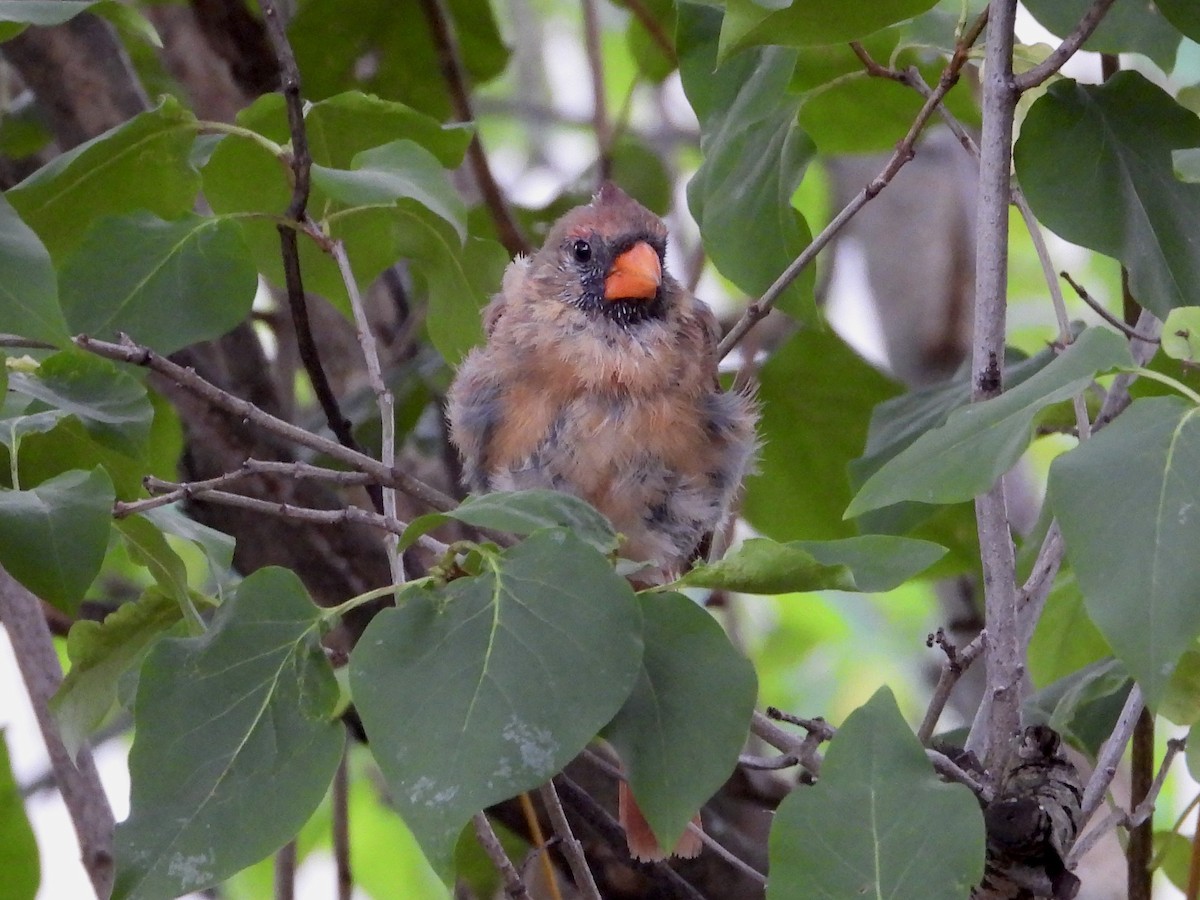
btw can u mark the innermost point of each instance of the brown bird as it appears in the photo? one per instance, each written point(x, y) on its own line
point(599, 378)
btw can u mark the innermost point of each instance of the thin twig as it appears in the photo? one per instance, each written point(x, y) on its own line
point(540, 845)
point(571, 848)
point(301, 167)
point(285, 872)
point(1103, 313)
point(953, 668)
point(767, 763)
point(1133, 818)
point(454, 72)
point(1064, 51)
point(900, 156)
point(383, 398)
point(948, 768)
point(186, 377)
point(805, 749)
point(1110, 755)
point(78, 781)
point(600, 124)
point(1033, 593)
point(341, 828)
point(513, 885)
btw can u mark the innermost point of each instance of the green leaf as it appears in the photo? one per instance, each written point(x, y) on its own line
point(1181, 701)
point(1125, 28)
point(383, 175)
point(879, 822)
point(807, 23)
point(140, 164)
point(147, 546)
point(523, 512)
point(18, 846)
point(476, 691)
point(681, 730)
point(342, 126)
point(216, 546)
point(1183, 14)
point(1181, 334)
point(1187, 164)
point(17, 15)
point(110, 403)
point(1095, 163)
point(1192, 755)
point(1064, 639)
point(1173, 852)
point(982, 441)
point(1084, 705)
point(166, 284)
point(868, 563)
point(817, 396)
point(234, 726)
point(100, 653)
point(28, 292)
point(53, 537)
point(1138, 569)
point(754, 158)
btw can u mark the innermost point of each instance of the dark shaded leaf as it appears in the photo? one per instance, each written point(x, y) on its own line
point(879, 822)
point(28, 291)
point(234, 726)
point(1084, 705)
point(481, 689)
point(681, 730)
point(1137, 27)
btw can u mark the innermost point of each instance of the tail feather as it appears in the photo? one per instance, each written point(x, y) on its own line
point(643, 845)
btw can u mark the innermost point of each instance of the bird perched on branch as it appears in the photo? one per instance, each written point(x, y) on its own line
point(599, 378)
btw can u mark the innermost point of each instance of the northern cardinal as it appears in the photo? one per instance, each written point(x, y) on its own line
point(599, 378)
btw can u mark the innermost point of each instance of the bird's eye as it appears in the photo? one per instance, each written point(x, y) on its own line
point(582, 251)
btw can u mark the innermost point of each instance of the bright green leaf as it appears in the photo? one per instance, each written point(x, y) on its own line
point(342, 126)
point(817, 396)
point(1173, 851)
point(879, 822)
point(982, 441)
point(166, 284)
point(383, 175)
point(100, 653)
point(754, 158)
point(140, 164)
point(110, 403)
point(681, 730)
point(147, 546)
point(1181, 701)
point(28, 292)
point(523, 512)
point(234, 726)
point(807, 23)
point(1128, 502)
point(53, 537)
point(1064, 639)
point(1095, 163)
point(484, 688)
point(1181, 334)
point(18, 846)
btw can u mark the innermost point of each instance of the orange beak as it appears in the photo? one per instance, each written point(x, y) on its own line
point(635, 275)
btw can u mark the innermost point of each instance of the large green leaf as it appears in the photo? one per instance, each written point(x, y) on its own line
point(18, 846)
point(1095, 163)
point(982, 441)
point(28, 292)
point(140, 164)
point(1183, 14)
point(100, 653)
point(53, 537)
point(523, 512)
point(1127, 27)
point(110, 403)
point(17, 15)
point(232, 727)
point(817, 396)
point(879, 823)
point(383, 175)
point(1127, 502)
point(342, 126)
point(681, 730)
point(1064, 639)
point(166, 284)
point(481, 689)
point(806, 23)
point(754, 158)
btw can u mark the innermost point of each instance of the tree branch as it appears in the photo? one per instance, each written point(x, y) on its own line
point(186, 378)
point(1064, 51)
point(513, 885)
point(572, 849)
point(600, 123)
point(78, 781)
point(999, 718)
point(956, 663)
point(454, 72)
